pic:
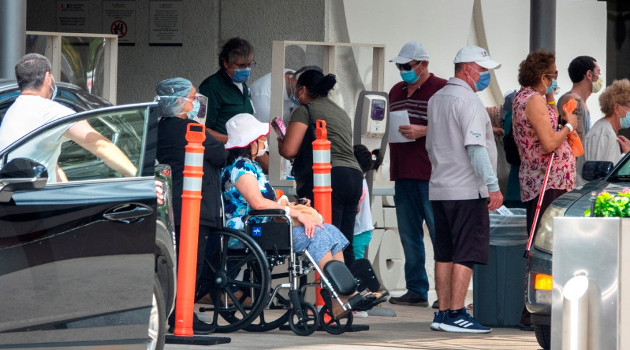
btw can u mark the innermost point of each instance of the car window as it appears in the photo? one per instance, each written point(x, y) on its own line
point(125, 129)
point(624, 171)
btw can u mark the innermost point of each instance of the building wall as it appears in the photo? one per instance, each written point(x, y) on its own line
point(207, 25)
point(503, 25)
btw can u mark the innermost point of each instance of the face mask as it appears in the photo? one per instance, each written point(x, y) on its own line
point(261, 151)
point(192, 114)
point(597, 85)
point(551, 87)
point(409, 76)
point(625, 121)
point(241, 75)
point(292, 96)
point(54, 93)
point(484, 81)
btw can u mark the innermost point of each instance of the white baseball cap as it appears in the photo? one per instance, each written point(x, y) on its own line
point(477, 55)
point(412, 51)
point(243, 129)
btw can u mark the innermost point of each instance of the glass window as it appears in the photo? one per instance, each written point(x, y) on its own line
point(114, 140)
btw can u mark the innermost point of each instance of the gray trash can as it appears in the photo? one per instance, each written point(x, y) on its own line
point(498, 288)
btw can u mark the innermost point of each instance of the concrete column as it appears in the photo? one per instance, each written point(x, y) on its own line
point(12, 35)
point(542, 25)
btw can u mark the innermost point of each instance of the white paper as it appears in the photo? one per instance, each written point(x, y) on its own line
point(503, 210)
point(397, 119)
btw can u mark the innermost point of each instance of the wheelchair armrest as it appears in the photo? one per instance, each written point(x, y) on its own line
point(266, 212)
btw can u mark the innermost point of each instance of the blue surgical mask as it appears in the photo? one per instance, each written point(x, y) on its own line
point(292, 96)
point(54, 93)
point(484, 81)
point(551, 87)
point(241, 75)
point(625, 121)
point(193, 113)
point(409, 76)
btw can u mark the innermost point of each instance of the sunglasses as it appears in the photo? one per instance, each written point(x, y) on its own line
point(406, 66)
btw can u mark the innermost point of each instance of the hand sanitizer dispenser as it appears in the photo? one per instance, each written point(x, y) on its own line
point(373, 116)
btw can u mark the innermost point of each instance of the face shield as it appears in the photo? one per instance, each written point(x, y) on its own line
point(203, 108)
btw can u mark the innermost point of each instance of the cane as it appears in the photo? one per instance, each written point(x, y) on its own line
point(568, 109)
point(538, 205)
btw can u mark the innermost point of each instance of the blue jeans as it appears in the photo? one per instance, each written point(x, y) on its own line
point(412, 208)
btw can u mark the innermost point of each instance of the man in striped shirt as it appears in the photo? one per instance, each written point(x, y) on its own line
point(410, 168)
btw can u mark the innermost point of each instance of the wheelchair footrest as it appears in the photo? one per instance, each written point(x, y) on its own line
point(366, 300)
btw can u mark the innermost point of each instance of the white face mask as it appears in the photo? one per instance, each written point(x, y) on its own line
point(261, 151)
point(597, 85)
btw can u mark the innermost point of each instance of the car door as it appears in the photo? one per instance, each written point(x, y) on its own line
point(77, 257)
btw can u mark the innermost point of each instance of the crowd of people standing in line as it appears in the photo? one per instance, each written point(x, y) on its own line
point(451, 185)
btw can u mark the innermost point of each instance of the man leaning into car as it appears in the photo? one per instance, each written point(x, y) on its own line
point(36, 106)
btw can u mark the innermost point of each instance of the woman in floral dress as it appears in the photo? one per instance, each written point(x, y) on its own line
point(538, 135)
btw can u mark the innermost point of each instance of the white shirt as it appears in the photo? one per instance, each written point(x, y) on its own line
point(363, 221)
point(456, 119)
point(601, 143)
point(260, 92)
point(27, 114)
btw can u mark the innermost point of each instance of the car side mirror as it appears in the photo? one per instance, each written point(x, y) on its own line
point(21, 174)
point(593, 170)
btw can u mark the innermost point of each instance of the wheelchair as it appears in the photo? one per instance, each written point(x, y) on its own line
point(241, 278)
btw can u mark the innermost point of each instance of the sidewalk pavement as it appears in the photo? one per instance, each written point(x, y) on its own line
point(408, 330)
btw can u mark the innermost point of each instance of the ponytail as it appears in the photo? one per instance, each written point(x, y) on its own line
point(317, 84)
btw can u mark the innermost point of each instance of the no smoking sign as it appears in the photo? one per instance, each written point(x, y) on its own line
point(119, 28)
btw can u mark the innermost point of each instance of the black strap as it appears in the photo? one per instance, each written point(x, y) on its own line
point(303, 162)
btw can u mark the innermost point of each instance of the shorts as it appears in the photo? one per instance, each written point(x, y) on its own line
point(462, 230)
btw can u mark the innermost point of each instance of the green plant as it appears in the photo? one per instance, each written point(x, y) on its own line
point(608, 205)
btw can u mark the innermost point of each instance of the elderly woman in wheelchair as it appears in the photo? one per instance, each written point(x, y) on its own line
point(246, 188)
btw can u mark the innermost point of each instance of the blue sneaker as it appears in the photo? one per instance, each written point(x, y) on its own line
point(438, 318)
point(464, 323)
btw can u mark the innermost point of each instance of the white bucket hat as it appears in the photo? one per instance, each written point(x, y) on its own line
point(243, 129)
point(412, 51)
point(477, 55)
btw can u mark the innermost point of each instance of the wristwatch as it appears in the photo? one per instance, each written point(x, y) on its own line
point(568, 125)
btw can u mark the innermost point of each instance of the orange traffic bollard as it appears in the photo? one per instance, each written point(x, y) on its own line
point(189, 236)
point(191, 204)
point(322, 190)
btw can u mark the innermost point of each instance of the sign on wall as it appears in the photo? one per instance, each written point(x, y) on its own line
point(165, 22)
point(71, 16)
point(119, 18)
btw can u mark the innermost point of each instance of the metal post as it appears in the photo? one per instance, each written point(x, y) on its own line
point(12, 35)
point(575, 314)
point(542, 25)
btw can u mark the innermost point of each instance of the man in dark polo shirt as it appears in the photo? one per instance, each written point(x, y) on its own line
point(227, 93)
point(410, 168)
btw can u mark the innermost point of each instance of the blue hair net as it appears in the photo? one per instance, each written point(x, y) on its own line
point(171, 95)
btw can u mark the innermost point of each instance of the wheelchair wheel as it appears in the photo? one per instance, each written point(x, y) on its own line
point(306, 326)
point(331, 324)
point(240, 281)
point(272, 317)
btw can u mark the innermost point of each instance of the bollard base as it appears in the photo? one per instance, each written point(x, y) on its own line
point(359, 328)
point(197, 340)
